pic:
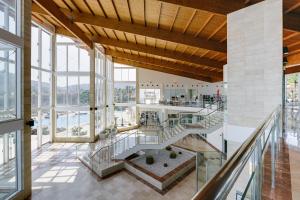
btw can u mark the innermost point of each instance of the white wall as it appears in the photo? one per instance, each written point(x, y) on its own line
point(154, 79)
point(215, 138)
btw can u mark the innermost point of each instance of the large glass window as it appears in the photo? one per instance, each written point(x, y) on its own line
point(8, 15)
point(11, 123)
point(9, 164)
point(149, 96)
point(171, 93)
point(109, 93)
point(125, 94)
point(41, 85)
point(8, 82)
point(72, 89)
point(99, 91)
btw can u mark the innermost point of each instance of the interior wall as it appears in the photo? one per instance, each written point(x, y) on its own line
point(153, 79)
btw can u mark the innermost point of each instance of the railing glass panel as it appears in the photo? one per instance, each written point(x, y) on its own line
point(241, 176)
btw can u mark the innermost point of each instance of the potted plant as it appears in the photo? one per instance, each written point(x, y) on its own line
point(149, 160)
point(173, 155)
point(168, 148)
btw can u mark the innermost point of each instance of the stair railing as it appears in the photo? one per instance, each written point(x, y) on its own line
point(108, 152)
point(219, 103)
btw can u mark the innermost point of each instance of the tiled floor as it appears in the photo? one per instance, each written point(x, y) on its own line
point(293, 141)
point(287, 184)
point(57, 174)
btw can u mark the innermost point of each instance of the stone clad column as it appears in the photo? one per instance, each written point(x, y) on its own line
point(254, 67)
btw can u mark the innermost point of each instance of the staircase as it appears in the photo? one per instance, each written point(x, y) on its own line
point(110, 157)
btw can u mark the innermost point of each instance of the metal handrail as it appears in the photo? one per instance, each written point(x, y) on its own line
point(205, 116)
point(196, 111)
point(136, 133)
point(114, 142)
point(228, 174)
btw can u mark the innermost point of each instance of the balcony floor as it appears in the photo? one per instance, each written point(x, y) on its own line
point(287, 177)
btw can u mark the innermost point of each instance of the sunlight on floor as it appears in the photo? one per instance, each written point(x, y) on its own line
point(59, 174)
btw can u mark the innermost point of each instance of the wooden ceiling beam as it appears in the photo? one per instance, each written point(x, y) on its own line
point(54, 11)
point(152, 32)
point(292, 70)
point(161, 52)
point(291, 22)
point(213, 64)
point(175, 37)
point(161, 69)
point(221, 7)
point(170, 65)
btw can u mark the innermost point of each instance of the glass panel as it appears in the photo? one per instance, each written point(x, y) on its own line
point(73, 124)
point(241, 183)
point(8, 163)
point(84, 123)
point(102, 93)
point(8, 15)
point(149, 96)
point(34, 46)
point(124, 74)
point(98, 92)
point(45, 90)
point(102, 69)
point(34, 88)
point(46, 51)
point(73, 90)
point(132, 75)
point(100, 120)
point(61, 56)
point(126, 115)
point(63, 39)
point(120, 94)
point(125, 92)
point(72, 58)
point(118, 75)
point(84, 90)
point(84, 60)
point(61, 124)
point(61, 90)
point(8, 82)
point(45, 127)
point(131, 90)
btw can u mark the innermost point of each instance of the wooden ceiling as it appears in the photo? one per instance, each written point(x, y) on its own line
point(186, 38)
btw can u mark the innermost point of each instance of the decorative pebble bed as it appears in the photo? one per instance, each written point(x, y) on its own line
point(160, 158)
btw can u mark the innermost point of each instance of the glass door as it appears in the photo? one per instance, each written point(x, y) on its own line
point(11, 119)
point(99, 92)
point(109, 94)
point(72, 91)
point(41, 86)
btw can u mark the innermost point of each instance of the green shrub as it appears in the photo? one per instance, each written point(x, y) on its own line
point(173, 155)
point(149, 160)
point(169, 148)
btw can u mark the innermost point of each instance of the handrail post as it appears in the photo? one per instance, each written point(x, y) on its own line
point(257, 165)
point(273, 155)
